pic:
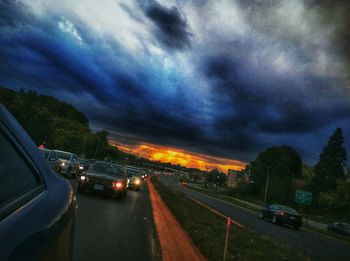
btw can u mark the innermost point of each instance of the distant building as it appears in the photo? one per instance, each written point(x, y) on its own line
point(236, 176)
point(232, 178)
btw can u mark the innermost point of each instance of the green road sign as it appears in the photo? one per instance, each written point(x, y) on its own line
point(303, 197)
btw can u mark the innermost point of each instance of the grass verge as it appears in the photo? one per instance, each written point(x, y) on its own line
point(208, 230)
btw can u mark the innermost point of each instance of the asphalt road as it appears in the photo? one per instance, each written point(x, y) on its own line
point(111, 229)
point(314, 245)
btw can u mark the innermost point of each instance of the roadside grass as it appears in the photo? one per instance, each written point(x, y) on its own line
point(208, 231)
point(225, 198)
point(254, 209)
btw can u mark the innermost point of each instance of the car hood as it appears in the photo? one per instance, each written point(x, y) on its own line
point(104, 176)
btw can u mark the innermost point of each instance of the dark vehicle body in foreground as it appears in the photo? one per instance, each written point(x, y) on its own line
point(135, 177)
point(37, 207)
point(339, 228)
point(104, 177)
point(283, 215)
point(51, 158)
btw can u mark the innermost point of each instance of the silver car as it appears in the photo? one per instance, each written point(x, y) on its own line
point(69, 164)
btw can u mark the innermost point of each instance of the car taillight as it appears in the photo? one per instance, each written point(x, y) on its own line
point(118, 185)
point(282, 213)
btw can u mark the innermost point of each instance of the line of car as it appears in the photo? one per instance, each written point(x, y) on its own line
point(96, 176)
point(37, 206)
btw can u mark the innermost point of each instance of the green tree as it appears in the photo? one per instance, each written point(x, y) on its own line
point(331, 165)
point(307, 173)
point(281, 164)
point(338, 201)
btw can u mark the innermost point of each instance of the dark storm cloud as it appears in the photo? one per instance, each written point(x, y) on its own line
point(246, 105)
point(172, 28)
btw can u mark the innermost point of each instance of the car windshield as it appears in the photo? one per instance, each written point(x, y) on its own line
point(107, 168)
point(288, 209)
point(133, 172)
point(83, 161)
point(64, 155)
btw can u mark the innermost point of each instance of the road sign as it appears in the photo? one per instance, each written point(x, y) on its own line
point(303, 197)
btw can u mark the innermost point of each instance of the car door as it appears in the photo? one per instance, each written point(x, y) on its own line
point(37, 214)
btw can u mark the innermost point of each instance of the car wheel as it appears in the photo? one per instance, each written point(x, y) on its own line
point(274, 220)
point(262, 215)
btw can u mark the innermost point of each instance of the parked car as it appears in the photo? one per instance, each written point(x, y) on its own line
point(69, 163)
point(340, 228)
point(135, 177)
point(279, 214)
point(37, 207)
point(51, 158)
point(104, 177)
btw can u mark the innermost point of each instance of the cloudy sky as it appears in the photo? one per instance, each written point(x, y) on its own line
point(211, 81)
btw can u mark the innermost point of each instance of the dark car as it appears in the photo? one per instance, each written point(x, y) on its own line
point(83, 165)
point(37, 207)
point(51, 158)
point(134, 178)
point(279, 214)
point(340, 228)
point(69, 163)
point(104, 177)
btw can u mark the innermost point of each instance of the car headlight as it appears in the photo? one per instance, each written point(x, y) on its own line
point(137, 182)
point(63, 164)
point(84, 178)
point(81, 167)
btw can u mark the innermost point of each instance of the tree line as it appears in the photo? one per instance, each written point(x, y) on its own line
point(57, 125)
point(328, 180)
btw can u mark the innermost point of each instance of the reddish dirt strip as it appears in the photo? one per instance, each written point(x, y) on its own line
point(175, 243)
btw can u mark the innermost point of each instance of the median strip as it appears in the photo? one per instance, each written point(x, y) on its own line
point(175, 243)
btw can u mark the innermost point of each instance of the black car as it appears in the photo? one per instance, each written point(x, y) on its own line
point(83, 165)
point(279, 214)
point(104, 177)
point(37, 207)
point(51, 158)
point(340, 228)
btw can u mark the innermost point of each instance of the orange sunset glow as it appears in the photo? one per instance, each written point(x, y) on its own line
point(184, 158)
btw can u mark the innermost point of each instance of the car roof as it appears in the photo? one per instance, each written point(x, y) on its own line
point(63, 151)
point(44, 149)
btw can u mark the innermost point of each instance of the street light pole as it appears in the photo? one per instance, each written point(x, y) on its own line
point(267, 185)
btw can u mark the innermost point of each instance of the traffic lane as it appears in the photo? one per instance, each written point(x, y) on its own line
point(316, 246)
point(112, 229)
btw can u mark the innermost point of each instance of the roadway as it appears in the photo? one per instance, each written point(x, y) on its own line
point(110, 229)
point(314, 245)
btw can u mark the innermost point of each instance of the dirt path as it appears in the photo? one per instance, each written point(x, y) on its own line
point(175, 243)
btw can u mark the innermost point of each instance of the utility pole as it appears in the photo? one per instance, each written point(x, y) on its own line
point(267, 185)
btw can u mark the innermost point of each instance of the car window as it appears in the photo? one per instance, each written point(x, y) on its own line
point(133, 172)
point(107, 168)
point(287, 209)
point(63, 155)
point(16, 178)
point(53, 156)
